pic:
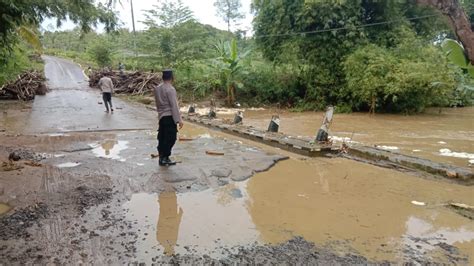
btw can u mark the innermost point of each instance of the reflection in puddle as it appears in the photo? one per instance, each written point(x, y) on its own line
point(423, 236)
point(4, 208)
point(109, 149)
point(204, 222)
point(68, 165)
point(169, 220)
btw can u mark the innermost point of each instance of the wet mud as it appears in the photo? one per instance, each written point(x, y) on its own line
point(16, 224)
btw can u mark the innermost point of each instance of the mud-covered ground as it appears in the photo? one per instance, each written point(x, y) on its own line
point(68, 203)
point(87, 190)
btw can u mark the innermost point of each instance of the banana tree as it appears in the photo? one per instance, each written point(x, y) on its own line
point(230, 66)
point(457, 55)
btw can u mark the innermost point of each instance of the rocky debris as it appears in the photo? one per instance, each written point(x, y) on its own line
point(13, 156)
point(86, 197)
point(16, 224)
point(25, 154)
point(25, 87)
point(135, 83)
point(446, 254)
point(296, 251)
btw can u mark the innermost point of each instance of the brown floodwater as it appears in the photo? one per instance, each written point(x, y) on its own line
point(370, 208)
point(345, 205)
point(443, 137)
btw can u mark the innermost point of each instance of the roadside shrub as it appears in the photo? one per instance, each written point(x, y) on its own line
point(265, 84)
point(101, 52)
point(406, 79)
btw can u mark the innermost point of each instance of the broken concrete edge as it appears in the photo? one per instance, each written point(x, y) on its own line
point(460, 175)
point(262, 137)
point(462, 209)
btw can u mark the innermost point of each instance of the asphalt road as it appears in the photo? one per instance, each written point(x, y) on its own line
point(72, 105)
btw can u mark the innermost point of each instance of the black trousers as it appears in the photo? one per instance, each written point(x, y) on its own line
point(167, 132)
point(107, 97)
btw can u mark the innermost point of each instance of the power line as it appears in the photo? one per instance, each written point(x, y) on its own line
point(345, 28)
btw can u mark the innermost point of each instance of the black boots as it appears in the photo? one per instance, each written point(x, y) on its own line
point(165, 161)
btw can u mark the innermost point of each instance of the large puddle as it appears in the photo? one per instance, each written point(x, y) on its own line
point(342, 204)
point(201, 223)
point(446, 137)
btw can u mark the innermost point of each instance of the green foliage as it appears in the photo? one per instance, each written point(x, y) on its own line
point(168, 14)
point(197, 79)
point(406, 78)
point(229, 65)
point(389, 62)
point(455, 53)
point(101, 52)
point(19, 61)
point(229, 11)
point(17, 13)
point(366, 74)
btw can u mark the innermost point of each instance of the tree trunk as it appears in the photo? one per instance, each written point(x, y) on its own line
point(372, 105)
point(453, 10)
point(230, 95)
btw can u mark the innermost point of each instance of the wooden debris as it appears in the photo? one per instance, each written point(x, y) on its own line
point(25, 87)
point(185, 139)
point(134, 83)
point(214, 153)
point(33, 163)
point(10, 166)
point(154, 156)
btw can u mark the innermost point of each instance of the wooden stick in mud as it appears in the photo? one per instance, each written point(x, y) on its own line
point(214, 153)
point(185, 139)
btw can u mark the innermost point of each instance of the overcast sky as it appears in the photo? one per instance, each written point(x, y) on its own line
point(204, 12)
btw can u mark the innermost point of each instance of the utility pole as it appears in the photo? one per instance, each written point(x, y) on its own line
point(134, 32)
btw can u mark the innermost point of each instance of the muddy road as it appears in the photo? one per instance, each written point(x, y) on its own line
point(88, 191)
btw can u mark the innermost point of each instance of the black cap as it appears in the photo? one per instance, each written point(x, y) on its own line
point(167, 74)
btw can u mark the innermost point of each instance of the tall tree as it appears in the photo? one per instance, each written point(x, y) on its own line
point(458, 19)
point(168, 14)
point(18, 15)
point(229, 10)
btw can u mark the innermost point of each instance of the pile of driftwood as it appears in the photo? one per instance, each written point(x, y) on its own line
point(25, 87)
point(135, 83)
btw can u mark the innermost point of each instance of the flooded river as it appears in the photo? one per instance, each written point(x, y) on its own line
point(447, 137)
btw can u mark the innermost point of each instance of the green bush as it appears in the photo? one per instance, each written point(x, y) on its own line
point(265, 84)
point(17, 62)
point(101, 52)
point(406, 79)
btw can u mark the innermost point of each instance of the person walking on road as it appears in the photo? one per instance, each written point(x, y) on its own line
point(107, 87)
point(169, 117)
